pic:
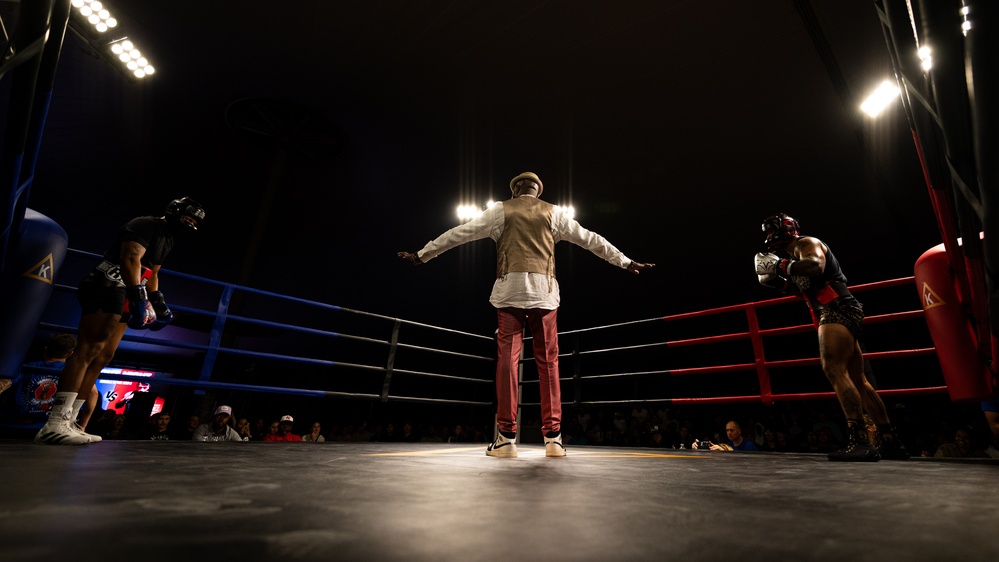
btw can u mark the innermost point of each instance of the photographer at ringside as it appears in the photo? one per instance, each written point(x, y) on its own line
point(736, 442)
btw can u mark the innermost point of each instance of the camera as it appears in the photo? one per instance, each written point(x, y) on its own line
point(702, 444)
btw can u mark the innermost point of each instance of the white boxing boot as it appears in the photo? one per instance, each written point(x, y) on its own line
point(59, 430)
point(75, 414)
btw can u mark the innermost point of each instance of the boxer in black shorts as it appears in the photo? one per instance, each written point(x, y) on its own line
point(121, 292)
point(93, 299)
point(805, 266)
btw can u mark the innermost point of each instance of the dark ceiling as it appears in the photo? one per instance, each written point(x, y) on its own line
point(324, 136)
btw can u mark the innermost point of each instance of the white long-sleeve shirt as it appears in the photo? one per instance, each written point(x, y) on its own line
point(520, 289)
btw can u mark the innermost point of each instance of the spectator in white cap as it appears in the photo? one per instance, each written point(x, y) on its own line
point(285, 433)
point(218, 429)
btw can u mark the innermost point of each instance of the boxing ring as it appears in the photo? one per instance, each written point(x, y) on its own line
point(444, 501)
point(248, 348)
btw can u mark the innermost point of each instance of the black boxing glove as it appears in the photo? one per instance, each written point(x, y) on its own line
point(163, 313)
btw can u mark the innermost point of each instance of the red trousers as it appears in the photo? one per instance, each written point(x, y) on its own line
point(509, 343)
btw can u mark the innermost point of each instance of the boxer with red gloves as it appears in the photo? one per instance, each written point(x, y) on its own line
point(121, 292)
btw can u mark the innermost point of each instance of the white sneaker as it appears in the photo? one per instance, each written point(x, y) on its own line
point(554, 447)
point(90, 436)
point(502, 447)
point(60, 432)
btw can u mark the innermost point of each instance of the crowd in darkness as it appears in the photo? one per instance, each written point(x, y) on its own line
point(926, 426)
point(805, 427)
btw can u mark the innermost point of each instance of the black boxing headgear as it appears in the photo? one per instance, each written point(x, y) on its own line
point(778, 229)
point(185, 207)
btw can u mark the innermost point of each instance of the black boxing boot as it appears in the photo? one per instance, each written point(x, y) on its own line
point(858, 447)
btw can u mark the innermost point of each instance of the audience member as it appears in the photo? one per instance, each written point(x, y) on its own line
point(770, 442)
point(825, 441)
point(117, 429)
point(273, 429)
point(103, 423)
point(34, 393)
point(243, 429)
point(784, 442)
point(158, 430)
point(963, 447)
point(259, 429)
point(922, 445)
point(218, 429)
point(186, 432)
point(344, 433)
point(458, 435)
point(735, 442)
point(825, 422)
point(316, 435)
point(658, 441)
point(284, 431)
point(717, 429)
point(810, 443)
point(362, 434)
point(639, 414)
point(387, 434)
point(613, 438)
point(753, 430)
point(684, 438)
point(595, 436)
point(795, 433)
point(620, 423)
point(479, 434)
point(639, 434)
point(408, 434)
point(434, 434)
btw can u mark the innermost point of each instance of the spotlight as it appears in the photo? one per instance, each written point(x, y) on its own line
point(875, 103)
point(93, 23)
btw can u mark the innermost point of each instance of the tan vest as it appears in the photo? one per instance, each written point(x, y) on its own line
point(527, 243)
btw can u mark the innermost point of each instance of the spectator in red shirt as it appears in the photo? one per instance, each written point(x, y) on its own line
point(285, 433)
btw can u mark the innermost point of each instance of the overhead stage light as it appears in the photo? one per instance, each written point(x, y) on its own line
point(133, 60)
point(92, 21)
point(925, 57)
point(96, 14)
point(875, 103)
point(468, 212)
